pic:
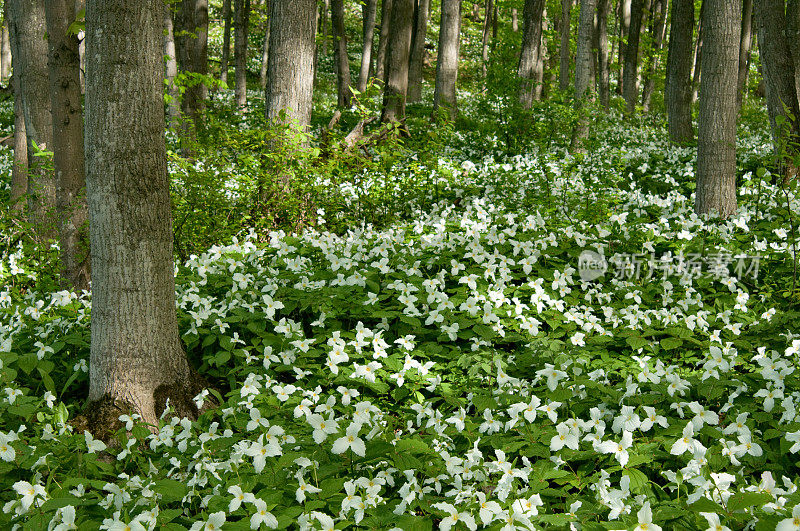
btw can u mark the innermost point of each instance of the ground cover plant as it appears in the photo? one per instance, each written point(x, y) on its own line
point(538, 340)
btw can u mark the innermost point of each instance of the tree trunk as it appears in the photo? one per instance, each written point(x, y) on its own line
point(530, 54)
point(583, 71)
point(68, 162)
point(793, 36)
point(383, 43)
point(630, 72)
point(341, 60)
point(698, 55)
point(241, 23)
point(324, 24)
point(5, 50)
point(397, 59)
point(265, 49)
point(290, 72)
point(624, 17)
point(779, 78)
point(538, 69)
point(171, 70)
point(368, 30)
point(447, 61)
point(514, 20)
point(226, 41)
point(487, 25)
point(745, 42)
point(137, 360)
point(603, 67)
point(678, 84)
point(659, 25)
point(19, 172)
point(417, 60)
point(563, 71)
point(192, 45)
point(29, 49)
point(716, 139)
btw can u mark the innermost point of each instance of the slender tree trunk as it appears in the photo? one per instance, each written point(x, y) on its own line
point(630, 72)
point(678, 85)
point(192, 45)
point(530, 53)
point(290, 75)
point(514, 20)
point(171, 70)
point(68, 162)
point(583, 71)
point(745, 42)
point(5, 50)
point(383, 43)
point(137, 360)
point(341, 60)
point(659, 26)
point(29, 49)
point(368, 30)
point(716, 139)
point(563, 72)
point(226, 41)
point(265, 49)
point(397, 59)
point(447, 61)
point(417, 60)
point(326, 6)
point(538, 69)
point(603, 67)
point(624, 16)
point(487, 25)
point(241, 24)
point(19, 172)
point(779, 78)
point(698, 55)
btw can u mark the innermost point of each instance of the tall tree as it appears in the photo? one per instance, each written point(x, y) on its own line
point(657, 27)
point(226, 41)
point(5, 47)
point(68, 160)
point(383, 42)
point(137, 361)
point(487, 25)
point(241, 25)
point(563, 71)
point(716, 138)
point(29, 51)
point(447, 61)
point(342, 61)
point(793, 36)
point(745, 42)
point(19, 171)
point(630, 71)
point(698, 54)
point(397, 59)
point(422, 12)
point(678, 85)
point(623, 26)
point(290, 72)
point(779, 77)
point(191, 41)
point(583, 70)
point(171, 69)
point(369, 13)
point(265, 47)
point(530, 53)
point(603, 64)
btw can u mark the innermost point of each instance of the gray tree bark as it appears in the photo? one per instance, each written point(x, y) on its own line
point(290, 72)
point(624, 24)
point(383, 43)
point(487, 24)
point(241, 25)
point(658, 28)
point(171, 69)
point(514, 20)
point(19, 171)
point(603, 65)
point(192, 45)
point(793, 35)
point(397, 59)
point(447, 61)
point(530, 53)
point(5, 49)
point(583, 72)
point(698, 55)
point(369, 12)
point(29, 49)
point(563, 71)
point(323, 15)
point(678, 84)
point(630, 71)
point(341, 60)
point(745, 43)
point(417, 61)
point(68, 160)
point(226, 41)
point(136, 360)
point(716, 139)
point(265, 48)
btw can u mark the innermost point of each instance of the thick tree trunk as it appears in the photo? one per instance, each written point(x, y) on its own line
point(659, 26)
point(630, 72)
point(417, 60)
point(793, 36)
point(583, 71)
point(290, 72)
point(137, 360)
point(678, 84)
point(29, 49)
point(716, 139)
point(226, 41)
point(603, 66)
point(397, 59)
point(383, 43)
point(624, 24)
point(745, 42)
point(171, 70)
point(779, 77)
point(341, 60)
point(68, 162)
point(531, 50)
point(19, 172)
point(487, 21)
point(369, 11)
point(192, 45)
point(265, 48)
point(241, 23)
point(538, 68)
point(447, 61)
point(563, 71)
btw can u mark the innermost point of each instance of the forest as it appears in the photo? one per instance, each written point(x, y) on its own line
point(399, 265)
